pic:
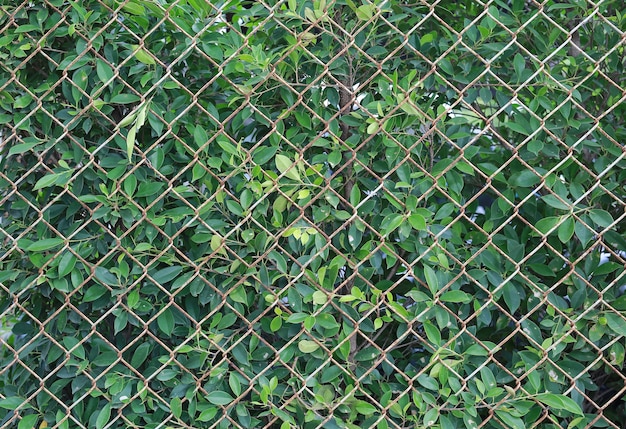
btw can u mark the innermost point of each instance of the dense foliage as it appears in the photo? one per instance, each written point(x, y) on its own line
point(312, 214)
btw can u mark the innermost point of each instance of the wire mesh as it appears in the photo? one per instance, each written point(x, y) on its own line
point(142, 271)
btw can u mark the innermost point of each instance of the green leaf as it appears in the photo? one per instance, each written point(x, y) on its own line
point(287, 167)
point(165, 275)
point(143, 56)
point(525, 179)
point(519, 63)
point(511, 296)
point(219, 397)
point(94, 292)
point(177, 407)
point(125, 99)
point(23, 101)
point(428, 382)
point(166, 322)
point(455, 296)
point(546, 224)
point(602, 218)
point(584, 234)
point(134, 8)
point(433, 334)
point(557, 203)
point(565, 230)
point(14, 403)
point(105, 276)
point(365, 408)
point(21, 148)
point(431, 417)
point(263, 154)
point(559, 402)
point(616, 322)
point(140, 355)
point(307, 346)
point(103, 416)
point(66, 264)
point(365, 12)
point(417, 221)
point(103, 70)
point(28, 422)
point(208, 414)
point(431, 279)
point(235, 384)
point(130, 141)
point(53, 179)
point(391, 223)
point(510, 421)
point(45, 244)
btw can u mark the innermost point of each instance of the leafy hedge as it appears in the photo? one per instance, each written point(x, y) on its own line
point(312, 214)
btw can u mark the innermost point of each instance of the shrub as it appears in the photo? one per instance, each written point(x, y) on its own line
point(312, 214)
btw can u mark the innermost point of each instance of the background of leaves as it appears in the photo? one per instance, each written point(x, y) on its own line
point(312, 214)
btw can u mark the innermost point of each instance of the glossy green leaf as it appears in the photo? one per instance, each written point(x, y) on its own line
point(140, 355)
point(166, 321)
point(45, 244)
point(28, 422)
point(565, 231)
point(219, 397)
point(104, 415)
point(14, 403)
point(559, 402)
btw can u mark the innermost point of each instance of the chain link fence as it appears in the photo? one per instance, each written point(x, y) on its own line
point(312, 214)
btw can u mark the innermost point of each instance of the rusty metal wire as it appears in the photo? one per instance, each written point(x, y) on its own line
point(354, 159)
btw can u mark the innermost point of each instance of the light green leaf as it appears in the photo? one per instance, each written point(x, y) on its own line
point(28, 422)
point(365, 12)
point(365, 408)
point(307, 346)
point(143, 56)
point(130, 141)
point(417, 221)
point(287, 167)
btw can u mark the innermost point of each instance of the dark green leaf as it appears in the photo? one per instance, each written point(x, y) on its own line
point(166, 322)
point(103, 416)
